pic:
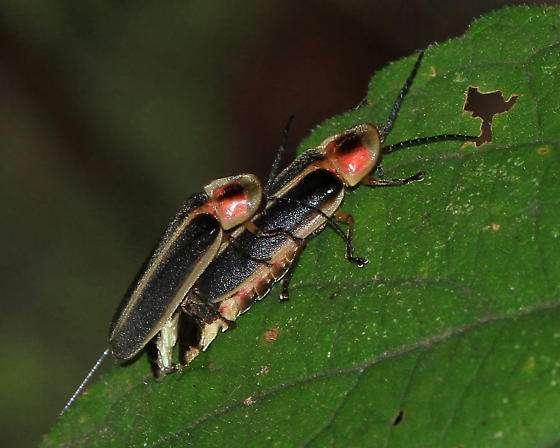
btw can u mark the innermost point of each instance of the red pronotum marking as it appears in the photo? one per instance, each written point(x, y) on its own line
point(355, 161)
point(232, 205)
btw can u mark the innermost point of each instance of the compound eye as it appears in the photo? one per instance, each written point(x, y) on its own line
point(355, 152)
point(235, 199)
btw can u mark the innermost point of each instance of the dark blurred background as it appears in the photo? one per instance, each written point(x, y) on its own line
point(112, 112)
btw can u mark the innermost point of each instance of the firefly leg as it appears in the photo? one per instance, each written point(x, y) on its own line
point(370, 181)
point(164, 344)
point(285, 282)
point(379, 171)
point(348, 219)
point(299, 242)
point(358, 261)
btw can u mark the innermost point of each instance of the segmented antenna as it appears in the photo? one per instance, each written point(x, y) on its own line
point(278, 158)
point(427, 140)
point(385, 130)
point(85, 382)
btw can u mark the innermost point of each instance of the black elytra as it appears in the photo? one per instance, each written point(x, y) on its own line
point(189, 242)
point(168, 284)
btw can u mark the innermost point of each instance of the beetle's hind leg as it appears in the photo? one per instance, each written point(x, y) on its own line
point(161, 352)
point(287, 278)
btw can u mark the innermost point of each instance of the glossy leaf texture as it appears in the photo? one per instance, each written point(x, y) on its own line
point(449, 337)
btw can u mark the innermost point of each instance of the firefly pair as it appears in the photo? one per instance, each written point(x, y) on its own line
point(223, 250)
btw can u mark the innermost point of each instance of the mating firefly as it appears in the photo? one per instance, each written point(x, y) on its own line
point(224, 250)
point(190, 241)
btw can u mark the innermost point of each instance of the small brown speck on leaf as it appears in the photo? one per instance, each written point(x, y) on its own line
point(271, 335)
point(264, 370)
point(249, 401)
point(543, 150)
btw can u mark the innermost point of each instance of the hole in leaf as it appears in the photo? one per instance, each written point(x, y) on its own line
point(485, 105)
point(398, 418)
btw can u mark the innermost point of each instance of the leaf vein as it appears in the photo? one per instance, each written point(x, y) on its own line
point(469, 384)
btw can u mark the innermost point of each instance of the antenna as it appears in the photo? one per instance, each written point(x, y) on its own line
point(385, 130)
point(278, 158)
point(85, 382)
point(428, 140)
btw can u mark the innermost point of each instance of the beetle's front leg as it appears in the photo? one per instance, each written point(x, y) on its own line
point(161, 356)
point(348, 219)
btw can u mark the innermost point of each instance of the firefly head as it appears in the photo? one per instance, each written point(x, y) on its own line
point(234, 199)
point(354, 153)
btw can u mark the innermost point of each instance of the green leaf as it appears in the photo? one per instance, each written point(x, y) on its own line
point(449, 337)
